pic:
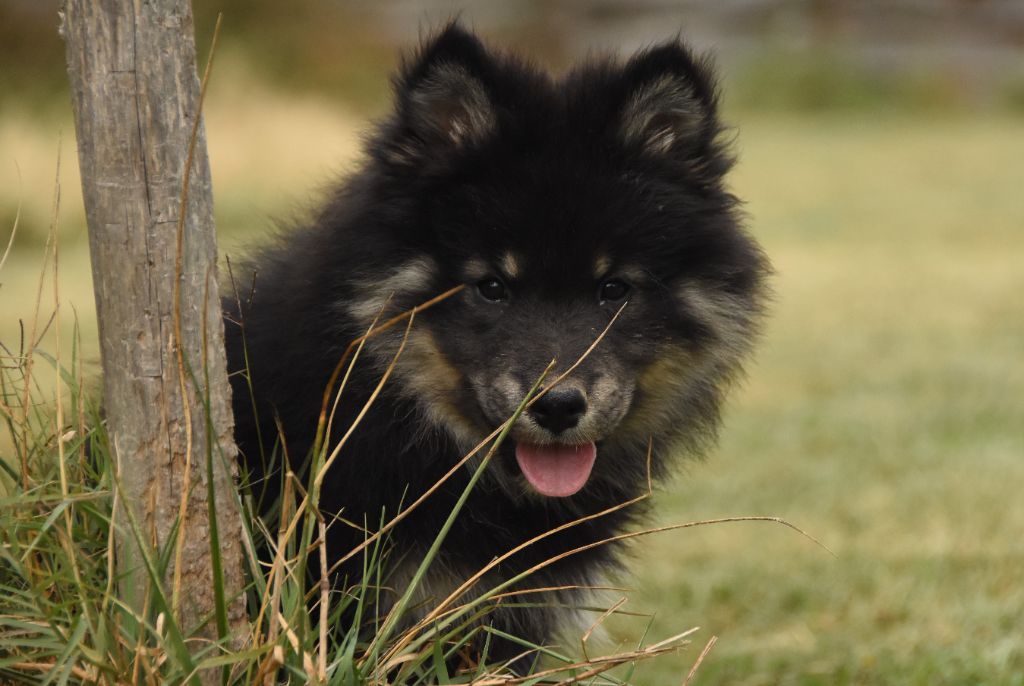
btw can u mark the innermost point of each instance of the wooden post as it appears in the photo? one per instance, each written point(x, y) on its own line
point(136, 95)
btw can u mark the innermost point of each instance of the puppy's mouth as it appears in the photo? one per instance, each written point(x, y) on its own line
point(556, 470)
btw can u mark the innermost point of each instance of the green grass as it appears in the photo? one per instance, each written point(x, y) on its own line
point(883, 414)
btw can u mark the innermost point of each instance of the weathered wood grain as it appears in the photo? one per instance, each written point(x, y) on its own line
point(135, 92)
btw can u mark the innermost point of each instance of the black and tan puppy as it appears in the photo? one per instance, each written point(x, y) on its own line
point(555, 202)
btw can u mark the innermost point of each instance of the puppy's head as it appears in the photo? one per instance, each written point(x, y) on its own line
point(560, 206)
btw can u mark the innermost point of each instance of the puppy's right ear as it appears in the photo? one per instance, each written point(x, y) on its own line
point(443, 103)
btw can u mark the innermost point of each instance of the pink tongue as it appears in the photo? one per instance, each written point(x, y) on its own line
point(556, 470)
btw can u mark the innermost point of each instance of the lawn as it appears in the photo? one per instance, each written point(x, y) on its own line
point(884, 413)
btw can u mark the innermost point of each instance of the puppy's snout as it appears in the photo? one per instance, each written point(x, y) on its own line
point(559, 409)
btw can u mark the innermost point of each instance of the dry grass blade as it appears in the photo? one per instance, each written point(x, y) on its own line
point(293, 639)
point(29, 357)
point(673, 639)
point(564, 587)
point(325, 594)
point(68, 540)
point(700, 659)
point(318, 480)
point(14, 225)
point(591, 667)
point(89, 676)
point(597, 623)
point(285, 531)
point(344, 383)
point(676, 527)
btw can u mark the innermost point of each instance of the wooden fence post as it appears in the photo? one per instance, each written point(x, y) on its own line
point(165, 391)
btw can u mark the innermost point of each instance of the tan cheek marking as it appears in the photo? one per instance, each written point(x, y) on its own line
point(730, 318)
point(669, 373)
point(432, 369)
point(433, 380)
point(666, 372)
point(410, 277)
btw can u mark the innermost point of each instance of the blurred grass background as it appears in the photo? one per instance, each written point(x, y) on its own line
point(882, 160)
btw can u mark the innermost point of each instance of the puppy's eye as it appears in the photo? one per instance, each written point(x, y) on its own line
point(613, 290)
point(492, 289)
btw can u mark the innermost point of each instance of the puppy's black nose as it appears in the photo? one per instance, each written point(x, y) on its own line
point(559, 409)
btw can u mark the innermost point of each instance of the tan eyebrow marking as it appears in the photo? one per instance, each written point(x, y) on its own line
point(510, 265)
point(634, 274)
point(475, 269)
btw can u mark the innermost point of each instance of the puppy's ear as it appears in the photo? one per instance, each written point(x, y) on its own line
point(671, 104)
point(443, 100)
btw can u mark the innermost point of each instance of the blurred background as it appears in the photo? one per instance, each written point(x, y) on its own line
point(882, 162)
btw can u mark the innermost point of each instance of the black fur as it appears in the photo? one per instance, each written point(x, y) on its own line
point(617, 166)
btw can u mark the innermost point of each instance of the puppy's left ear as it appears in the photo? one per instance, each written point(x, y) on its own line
point(671, 103)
